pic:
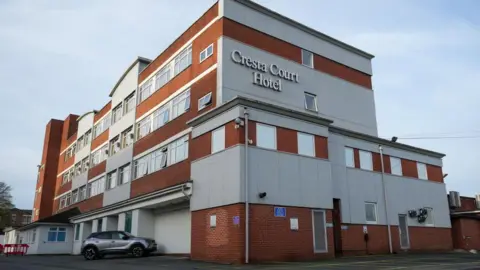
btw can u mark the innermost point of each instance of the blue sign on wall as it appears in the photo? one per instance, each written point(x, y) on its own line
point(236, 220)
point(280, 212)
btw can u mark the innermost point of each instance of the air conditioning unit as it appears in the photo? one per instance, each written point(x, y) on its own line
point(477, 200)
point(131, 135)
point(454, 199)
point(106, 151)
point(117, 144)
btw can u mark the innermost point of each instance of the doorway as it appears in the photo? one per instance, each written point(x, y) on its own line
point(403, 230)
point(337, 227)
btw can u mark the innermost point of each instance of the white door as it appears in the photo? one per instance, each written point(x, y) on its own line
point(403, 230)
point(172, 231)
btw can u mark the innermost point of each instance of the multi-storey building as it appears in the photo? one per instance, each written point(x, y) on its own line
point(246, 107)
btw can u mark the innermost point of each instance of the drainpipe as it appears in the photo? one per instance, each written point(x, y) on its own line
point(385, 200)
point(247, 232)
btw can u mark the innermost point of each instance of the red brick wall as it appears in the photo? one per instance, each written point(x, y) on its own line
point(468, 204)
point(421, 239)
point(287, 140)
point(97, 170)
point(103, 111)
point(224, 243)
point(466, 233)
point(289, 51)
point(321, 147)
point(434, 173)
point(409, 168)
point(100, 139)
point(270, 238)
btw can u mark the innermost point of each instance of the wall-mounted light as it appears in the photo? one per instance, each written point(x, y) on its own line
point(262, 195)
point(394, 139)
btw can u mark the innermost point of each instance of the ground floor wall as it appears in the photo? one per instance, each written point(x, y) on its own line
point(466, 233)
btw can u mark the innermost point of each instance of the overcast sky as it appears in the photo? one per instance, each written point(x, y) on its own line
point(61, 57)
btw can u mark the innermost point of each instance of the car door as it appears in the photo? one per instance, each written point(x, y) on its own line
point(120, 241)
point(103, 241)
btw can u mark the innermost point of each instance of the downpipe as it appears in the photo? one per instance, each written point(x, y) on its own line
point(247, 228)
point(385, 200)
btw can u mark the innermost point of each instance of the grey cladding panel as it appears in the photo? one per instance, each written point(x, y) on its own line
point(119, 159)
point(117, 194)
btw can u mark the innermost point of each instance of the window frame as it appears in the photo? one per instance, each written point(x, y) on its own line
point(129, 103)
point(362, 164)
point(117, 112)
point(392, 167)
point(108, 184)
point(221, 144)
point(121, 174)
point(202, 104)
point(311, 58)
point(314, 99)
point(305, 135)
point(177, 61)
point(206, 54)
point(57, 231)
point(346, 148)
point(424, 165)
point(259, 126)
point(375, 207)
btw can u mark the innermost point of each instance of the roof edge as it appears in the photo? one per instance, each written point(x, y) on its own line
point(139, 59)
point(256, 104)
point(385, 142)
point(85, 114)
point(304, 28)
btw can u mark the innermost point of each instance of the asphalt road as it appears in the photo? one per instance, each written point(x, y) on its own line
point(431, 261)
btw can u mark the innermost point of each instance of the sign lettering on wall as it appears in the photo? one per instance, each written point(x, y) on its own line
point(261, 71)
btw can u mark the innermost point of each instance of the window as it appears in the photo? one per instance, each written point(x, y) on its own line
point(183, 60)
point(160, 117)
point(181, 104)
point(85, 164)
point(77, 232)
point(127, 137)
point(82, 193)
point(422, 171)
point(206, 53)
point(56, 234)
point(128, 222)
point(349, 157)
point(96, 187)
point(371, 213)
point(105, 235)
point(87, 138)
point(114, 146)
point(14, 218)
point(117, 113)
point(129, 103)
point(163, 76)
point(141, 166)
point(79, 144)
point(429, 220)
point(218, 140)
point(396, 166)
point(205, 101)
point(34, 236)
point(307, 58)
point(124, 174)
point(178, 150)
point(112, 180)
point(306, 144)
point(145, 90)
point(266, 136)
point(143, 127)
point(98, 129)
point(65, 177)
point(75, 196)
point(366, 162)
point(319, 231)
point(159, 160)
point(78, 168)
point(26, 219)
point(68, 199)
point(96, 157)
point(213, 221)
point(311, 102)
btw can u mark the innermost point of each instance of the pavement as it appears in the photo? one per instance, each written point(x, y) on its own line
point(444, 261)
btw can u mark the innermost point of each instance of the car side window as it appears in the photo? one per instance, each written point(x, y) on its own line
point(117, 235)
point(104, 235)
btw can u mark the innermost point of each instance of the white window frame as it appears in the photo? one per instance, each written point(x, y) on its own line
point(274, 135)
point(117, 113)
point(308, 137)
point(315, 101)
point(376, 212)
point(364, 162)
point(145, 90)
point(164, 72)
point(204, 101)
point(348, 149)
point(121, 174)
point(219, 135)
point(176, 110)
point(315, 250)
point(311, 58)
point(109, 180)
point(398, 166)
point(419, 166)
point(178, 61)
point(173, 150)
point(206, 54)
point(129, 103)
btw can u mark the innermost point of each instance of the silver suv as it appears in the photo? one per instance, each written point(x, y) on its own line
point(100, 244)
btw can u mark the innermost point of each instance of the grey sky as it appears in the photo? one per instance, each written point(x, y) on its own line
point(61, 57)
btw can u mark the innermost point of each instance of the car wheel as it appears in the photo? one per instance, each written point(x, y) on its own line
point(137, 251)
point(90, 253)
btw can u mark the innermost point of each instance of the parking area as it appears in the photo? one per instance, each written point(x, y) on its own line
point(430, 261)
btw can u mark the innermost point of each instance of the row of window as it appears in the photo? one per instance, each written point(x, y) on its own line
point(82, 193)
point(164, 75)
point(371, 214)
point(366, 163)
point(169, 111)
point(267, 138)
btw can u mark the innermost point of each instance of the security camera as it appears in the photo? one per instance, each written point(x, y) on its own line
point(238, 122)
point(262, 195)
